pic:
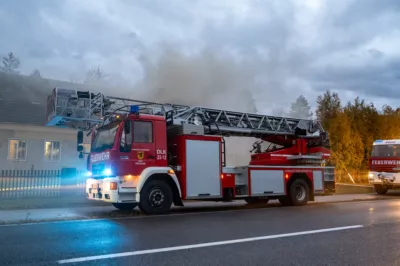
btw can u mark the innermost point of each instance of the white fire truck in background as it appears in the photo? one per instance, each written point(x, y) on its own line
point(384, 165)
point(153, 155)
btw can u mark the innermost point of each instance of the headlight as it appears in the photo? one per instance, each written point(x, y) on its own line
point(370, 175)
point(88, 174)
point(107, 172)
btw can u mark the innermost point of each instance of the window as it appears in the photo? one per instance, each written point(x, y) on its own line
point(52, 151)
point(17, 149)
point(142, 132)
point(126, 138)
point(105, 137)
point(386, 150)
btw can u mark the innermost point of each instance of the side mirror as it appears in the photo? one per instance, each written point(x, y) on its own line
point(79, 137)
point(79, 141)
point(127, 126)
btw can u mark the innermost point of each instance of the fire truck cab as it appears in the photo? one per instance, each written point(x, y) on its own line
point(145, 155)
point(384, 165)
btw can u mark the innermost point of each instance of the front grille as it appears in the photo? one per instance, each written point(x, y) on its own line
point(98, 168)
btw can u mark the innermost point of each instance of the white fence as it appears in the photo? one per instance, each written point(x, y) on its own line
point(40, 183)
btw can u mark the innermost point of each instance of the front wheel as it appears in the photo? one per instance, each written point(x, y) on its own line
point(155, 197)
point(125, 206)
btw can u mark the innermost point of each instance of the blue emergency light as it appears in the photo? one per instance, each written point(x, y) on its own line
point(134, 109)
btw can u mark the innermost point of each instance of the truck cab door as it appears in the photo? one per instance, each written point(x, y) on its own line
point(136, 149)
point(143, 147)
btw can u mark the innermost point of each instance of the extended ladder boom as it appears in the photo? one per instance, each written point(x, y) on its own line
point(83, 110)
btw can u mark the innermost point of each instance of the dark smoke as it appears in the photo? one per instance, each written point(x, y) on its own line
point(203, 79)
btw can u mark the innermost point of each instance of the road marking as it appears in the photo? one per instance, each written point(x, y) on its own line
point(203, 245)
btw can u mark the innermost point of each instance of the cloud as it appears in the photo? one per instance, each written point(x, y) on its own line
point(233, 51)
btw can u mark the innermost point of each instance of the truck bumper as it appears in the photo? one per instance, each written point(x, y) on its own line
point(100, 190)
point(382, 178)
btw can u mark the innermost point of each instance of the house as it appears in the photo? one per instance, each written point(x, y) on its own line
point(25, 143)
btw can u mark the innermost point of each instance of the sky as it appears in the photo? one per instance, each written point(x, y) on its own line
point(245, 55)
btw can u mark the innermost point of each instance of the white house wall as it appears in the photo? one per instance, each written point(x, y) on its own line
point(238, 149)
point(36, 137)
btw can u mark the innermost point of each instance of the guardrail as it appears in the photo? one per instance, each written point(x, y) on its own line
point(40, 183)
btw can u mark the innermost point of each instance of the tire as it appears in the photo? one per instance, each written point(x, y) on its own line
point(299, 193)
point(125, 206)
point(156, 197)
point(257, 201)
point(380, 190)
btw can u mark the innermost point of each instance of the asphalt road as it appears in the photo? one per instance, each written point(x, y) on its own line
point(361, 233)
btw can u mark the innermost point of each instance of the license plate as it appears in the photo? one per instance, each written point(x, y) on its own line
point(95, 186)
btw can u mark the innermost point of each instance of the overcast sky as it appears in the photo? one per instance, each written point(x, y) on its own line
point(232, 50)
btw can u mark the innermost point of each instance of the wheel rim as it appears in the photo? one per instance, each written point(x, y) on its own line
point(156, 197)
point(300, 193)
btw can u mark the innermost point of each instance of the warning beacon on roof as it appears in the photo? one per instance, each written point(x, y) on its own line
point(386, 142)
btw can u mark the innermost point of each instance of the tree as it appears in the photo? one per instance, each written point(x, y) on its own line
point(36, 73)
point(389, 123)
point(95, 76)
point(328, 106)
point(10, 63)
point(300, 108)
point(353, 128)
point(342, 141)
point(364, 124)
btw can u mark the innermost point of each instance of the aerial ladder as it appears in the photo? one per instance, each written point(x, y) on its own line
point(84, 110)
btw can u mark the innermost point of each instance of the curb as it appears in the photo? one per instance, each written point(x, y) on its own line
point(354, 185)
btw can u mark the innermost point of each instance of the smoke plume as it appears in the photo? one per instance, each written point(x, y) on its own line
point(203, 79)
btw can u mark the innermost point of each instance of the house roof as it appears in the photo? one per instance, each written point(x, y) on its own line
point(23, 98)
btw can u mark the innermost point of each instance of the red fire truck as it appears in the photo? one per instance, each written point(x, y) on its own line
point(154, 155)
point(384, 165)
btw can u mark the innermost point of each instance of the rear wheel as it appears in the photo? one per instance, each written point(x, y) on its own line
point(298, 194)
point(156, 197)
point(381, 190)
point(125, 206)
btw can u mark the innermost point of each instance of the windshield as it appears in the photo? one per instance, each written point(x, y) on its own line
point(390, 150)
point(104, 138)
